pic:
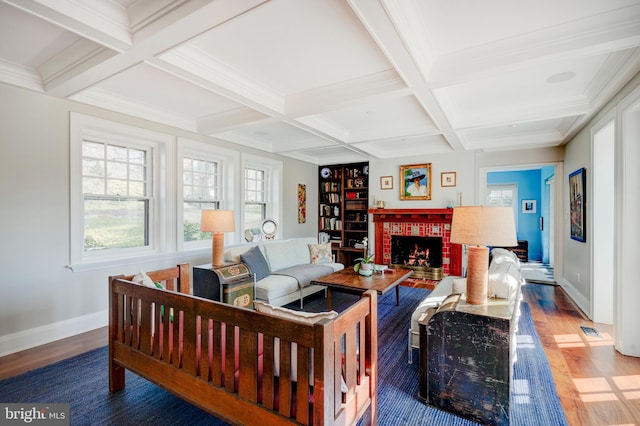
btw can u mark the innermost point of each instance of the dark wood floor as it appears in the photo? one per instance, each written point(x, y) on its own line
point(597, 385)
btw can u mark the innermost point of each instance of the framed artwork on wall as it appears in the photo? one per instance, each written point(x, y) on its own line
point(386, 182)
point(416, 182)
point(302, 203)
point(577, 200)
point(529, 206)
point(448, 179)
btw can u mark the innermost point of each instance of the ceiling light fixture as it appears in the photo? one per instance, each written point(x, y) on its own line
point(561, 76)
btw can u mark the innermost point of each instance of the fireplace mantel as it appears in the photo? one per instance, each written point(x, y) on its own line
point(412, 220)
point(412, 215)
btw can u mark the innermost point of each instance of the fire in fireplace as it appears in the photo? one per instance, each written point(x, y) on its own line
point(422, 254)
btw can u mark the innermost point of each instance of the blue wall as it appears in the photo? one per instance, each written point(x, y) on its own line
point(529, 184)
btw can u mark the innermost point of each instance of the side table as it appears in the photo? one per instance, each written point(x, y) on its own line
point(466, 359)
point(230, 283)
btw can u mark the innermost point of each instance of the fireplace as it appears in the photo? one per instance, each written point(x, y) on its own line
point(430, 229)
point(422, 254)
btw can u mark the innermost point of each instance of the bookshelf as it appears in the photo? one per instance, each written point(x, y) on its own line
point(343, 199)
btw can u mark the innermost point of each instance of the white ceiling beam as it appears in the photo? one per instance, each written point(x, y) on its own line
point(152, 44)
point(346, 94)
point(379, 25)
point(104, 22)
point(617, 30)
point(229, 120)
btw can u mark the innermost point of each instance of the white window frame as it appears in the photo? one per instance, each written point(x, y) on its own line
point(91, 128)
point(515, 201)
point(273, 191)
point(227, 168)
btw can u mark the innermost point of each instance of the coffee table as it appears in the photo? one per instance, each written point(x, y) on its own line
point(347, 280)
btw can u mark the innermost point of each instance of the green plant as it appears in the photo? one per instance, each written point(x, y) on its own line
point(368, 258)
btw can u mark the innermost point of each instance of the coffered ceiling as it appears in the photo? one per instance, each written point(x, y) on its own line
point(329, 81)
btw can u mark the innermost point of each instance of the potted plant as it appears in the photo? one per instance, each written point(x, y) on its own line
point(364, 265)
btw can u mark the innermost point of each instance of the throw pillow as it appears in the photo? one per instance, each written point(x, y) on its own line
point(144, 279)
point(320, 253)
point(300, 316)
point(256, 262)
point(503, 280)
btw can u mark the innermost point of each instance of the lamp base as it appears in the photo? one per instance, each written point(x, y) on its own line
point(477, 275)
point(217, 249)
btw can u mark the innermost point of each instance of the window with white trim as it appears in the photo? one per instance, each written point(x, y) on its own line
point(118, 192)
point(504, 196)
point(501, 195)
point(201, 191)
point(262, 190)
point(255, 198)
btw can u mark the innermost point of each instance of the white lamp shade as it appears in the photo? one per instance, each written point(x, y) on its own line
point(217, 221)
point(483, 226)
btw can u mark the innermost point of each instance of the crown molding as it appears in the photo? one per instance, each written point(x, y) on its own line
point(21, 76)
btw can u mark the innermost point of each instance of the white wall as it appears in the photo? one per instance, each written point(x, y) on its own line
point(576, 279)
point(40, 299)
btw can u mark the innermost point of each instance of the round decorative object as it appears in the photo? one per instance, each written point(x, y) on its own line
point(325, 172)
point(269, 228)
point(365, 272)
point(365, 169)
point(358, 182)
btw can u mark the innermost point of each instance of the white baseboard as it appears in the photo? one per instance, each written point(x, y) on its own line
point(577, 297)
point(33, 337)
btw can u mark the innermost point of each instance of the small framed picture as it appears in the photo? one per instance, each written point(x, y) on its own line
point(529, 206)
point(386, 182)
point(448, 179)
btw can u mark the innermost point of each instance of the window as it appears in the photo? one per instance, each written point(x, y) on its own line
point(116, 195)
point(118, 192)
point(262, 194)
point(504, 196)
point(200, 180)
point(501, 196)
point(255, 199)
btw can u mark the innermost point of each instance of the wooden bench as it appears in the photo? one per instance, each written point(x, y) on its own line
point(178, 341)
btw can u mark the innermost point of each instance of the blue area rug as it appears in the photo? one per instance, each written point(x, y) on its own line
point(82, 381)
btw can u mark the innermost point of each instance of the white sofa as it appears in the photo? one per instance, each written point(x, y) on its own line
point(286, 259)
point(505, 280)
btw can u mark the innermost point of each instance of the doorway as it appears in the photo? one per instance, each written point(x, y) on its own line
point(538, 227)
point(603, 223)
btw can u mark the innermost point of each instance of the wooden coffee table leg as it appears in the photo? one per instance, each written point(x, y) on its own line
point(329, 298)
point(397, 295)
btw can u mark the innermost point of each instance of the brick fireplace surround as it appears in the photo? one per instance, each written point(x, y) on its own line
point(416, 222)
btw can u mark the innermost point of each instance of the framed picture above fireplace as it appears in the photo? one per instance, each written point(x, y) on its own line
point(416, 182)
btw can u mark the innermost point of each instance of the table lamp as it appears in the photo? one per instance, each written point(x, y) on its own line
point(217, 222)
point(479, 227)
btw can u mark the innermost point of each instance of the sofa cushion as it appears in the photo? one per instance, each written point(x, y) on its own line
point(504, 278)
point(256, 262)
point(500, 255)
point(283, 254)
point(275, 286)
point(459, 286)
point(232, 254)
point(320, 253)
